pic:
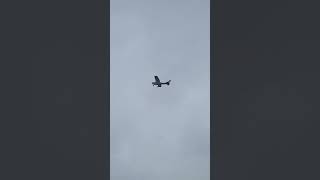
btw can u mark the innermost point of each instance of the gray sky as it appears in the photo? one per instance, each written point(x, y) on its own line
point(160, 133)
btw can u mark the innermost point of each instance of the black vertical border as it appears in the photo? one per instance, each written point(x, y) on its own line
point(60, 51)
point(266, 90)
point(212, 126)
point(108, 60)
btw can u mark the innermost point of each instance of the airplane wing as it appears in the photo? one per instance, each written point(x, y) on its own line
point(156, 78)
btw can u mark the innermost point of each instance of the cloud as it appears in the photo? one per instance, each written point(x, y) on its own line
point(160, 133)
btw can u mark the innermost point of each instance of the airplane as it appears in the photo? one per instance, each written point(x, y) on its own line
point(158, 83)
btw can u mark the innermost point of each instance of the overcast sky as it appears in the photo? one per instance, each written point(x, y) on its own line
point(160, 133)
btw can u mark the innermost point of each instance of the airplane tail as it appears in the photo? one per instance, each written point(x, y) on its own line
point(168, 83)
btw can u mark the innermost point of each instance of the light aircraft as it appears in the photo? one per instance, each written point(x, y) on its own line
point(158, 83)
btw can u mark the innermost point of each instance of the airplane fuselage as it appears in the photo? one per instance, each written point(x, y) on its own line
point(160, 83)
point(157, 83)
